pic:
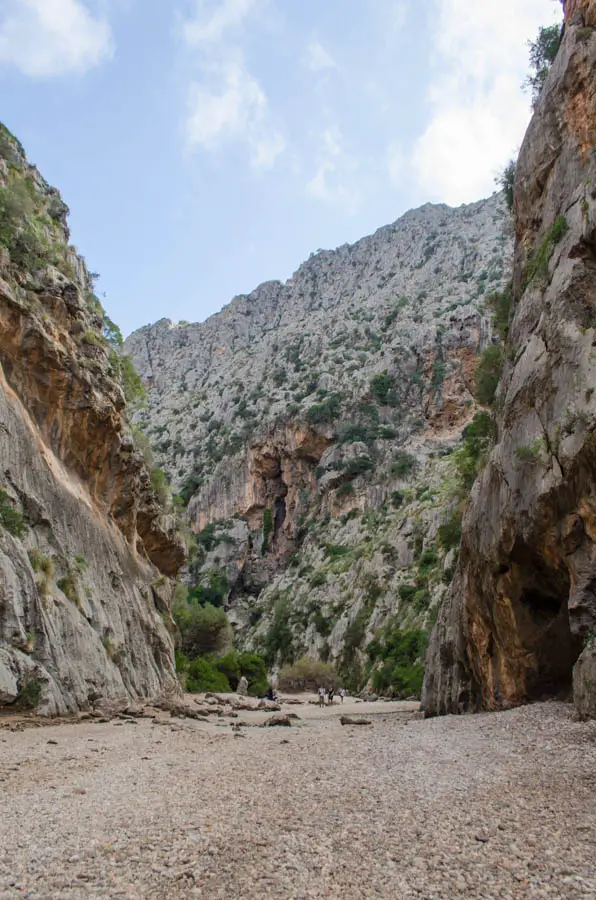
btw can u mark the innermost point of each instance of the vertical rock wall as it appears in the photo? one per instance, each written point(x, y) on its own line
point(523, 603)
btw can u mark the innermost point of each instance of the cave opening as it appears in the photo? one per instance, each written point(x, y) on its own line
point(542, 617)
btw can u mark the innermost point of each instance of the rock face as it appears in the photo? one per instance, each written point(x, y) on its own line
point(309, 428)
point(84, 606)
point(523, 601)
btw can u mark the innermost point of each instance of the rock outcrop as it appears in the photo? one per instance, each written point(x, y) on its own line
point(523, 602)
point(85, 547)
point(309, 429)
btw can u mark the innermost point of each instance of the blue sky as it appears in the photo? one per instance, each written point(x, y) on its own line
point(204, 146)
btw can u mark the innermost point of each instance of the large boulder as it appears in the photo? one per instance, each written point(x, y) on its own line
point(584, 682)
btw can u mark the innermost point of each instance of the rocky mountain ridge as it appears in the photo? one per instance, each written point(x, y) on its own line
point(310, 427)
point(86, 550)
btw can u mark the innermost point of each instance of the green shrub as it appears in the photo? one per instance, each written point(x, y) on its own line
point(252, 666)
point(189, 486)
point(318, 579)
point(10, 519)
point(307, 675)
point(68, 585)
point(403, 464)
point(324, 412)
point(202, 629)
point(358, 465)
point(354, 433)
point(397, 499)
point(488, 374)
point(543, 52)
point(402, 671)
point(214, 591)
point(44, 564)
point(235, 665)
point(202, 675)
point(123, 369)
point(500, 303)
point(449, 533)
point(208, 538)
point(537, 266)
point(267, 530)
point(356, 631)
point(345, 490)
point(428, 559)
point(382, 387)
point(529, 453)
point(161, 488)
point(336, 551)
point(506, 182)
point(29, 693)
point(279, 641)
point(407, 591)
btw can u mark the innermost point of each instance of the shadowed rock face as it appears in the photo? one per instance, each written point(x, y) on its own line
point(83, 607)
point(524, 598)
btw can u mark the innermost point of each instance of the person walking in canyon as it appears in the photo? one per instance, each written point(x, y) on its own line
point(321, 696)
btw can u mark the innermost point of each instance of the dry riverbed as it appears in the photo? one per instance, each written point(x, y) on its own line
point(489, 806)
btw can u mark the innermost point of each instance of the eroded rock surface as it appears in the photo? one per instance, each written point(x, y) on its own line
point(524, 599)
point(84, 544)
point(310, 426)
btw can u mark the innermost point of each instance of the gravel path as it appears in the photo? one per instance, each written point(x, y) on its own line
point(498, 805)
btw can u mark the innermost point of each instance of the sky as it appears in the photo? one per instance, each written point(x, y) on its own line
point(205, 146)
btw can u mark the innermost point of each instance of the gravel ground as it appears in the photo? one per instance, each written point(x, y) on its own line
point(498, 805)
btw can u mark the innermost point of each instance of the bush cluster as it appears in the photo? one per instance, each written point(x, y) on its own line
point(307, 675)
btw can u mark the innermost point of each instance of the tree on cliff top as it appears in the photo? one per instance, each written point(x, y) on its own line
point(543, 52)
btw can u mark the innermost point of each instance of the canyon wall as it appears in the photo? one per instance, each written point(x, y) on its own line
point(86, 551)
point(311, 430)
point(522, 607)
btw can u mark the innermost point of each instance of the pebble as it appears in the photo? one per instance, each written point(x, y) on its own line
point(391, 812)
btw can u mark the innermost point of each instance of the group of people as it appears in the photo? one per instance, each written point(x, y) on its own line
point(327, 695)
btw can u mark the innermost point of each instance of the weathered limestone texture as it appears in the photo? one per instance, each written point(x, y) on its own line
point(84, 606)
point(523, 602)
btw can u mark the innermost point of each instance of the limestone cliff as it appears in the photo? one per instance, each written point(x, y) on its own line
point(310, 427)
point(523, 603)
point(84, 606)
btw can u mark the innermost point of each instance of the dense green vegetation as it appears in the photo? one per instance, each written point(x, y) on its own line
point(536, 271)
point(488, 374)
point(543, 52)
point(307, 675)
point(10, 518)
point(400, 654)
point(328, 411)
point(279, 642)
point(203, 628)
point(506, 182)
point(267, 530)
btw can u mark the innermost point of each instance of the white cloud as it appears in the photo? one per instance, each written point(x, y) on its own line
point(236, 112)
point(210, 28)
point(45, 38)
point(478, 111)
point(317, 58)
point(335, 169)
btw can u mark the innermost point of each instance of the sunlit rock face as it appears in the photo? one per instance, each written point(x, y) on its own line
point(84, 546)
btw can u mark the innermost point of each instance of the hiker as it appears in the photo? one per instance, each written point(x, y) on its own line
point(321, 696)
point(271, 695)
point(330, 696)
point(342, 694)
